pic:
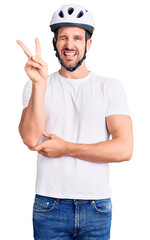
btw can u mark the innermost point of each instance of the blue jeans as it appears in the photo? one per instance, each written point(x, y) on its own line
point(64, 219)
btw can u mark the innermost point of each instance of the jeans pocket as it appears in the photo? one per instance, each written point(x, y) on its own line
point(43, 205)
point(103, 205)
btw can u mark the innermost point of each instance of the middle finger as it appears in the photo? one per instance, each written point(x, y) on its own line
point(38, 48)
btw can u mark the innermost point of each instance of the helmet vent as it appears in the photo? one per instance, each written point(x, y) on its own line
point(80, 14)
point(70, 10)
point(61, 14)
point(86, 10)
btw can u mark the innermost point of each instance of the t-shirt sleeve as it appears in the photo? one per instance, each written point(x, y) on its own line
point(117, 100)
point(26, 94)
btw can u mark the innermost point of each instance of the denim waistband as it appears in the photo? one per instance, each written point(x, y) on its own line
point(69, 201)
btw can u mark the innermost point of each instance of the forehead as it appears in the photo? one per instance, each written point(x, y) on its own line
point(71, 31)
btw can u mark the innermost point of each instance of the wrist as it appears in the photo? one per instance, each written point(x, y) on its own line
point(70, 149)
point(41, 85)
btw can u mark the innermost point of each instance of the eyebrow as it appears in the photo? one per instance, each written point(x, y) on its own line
point(75, 35)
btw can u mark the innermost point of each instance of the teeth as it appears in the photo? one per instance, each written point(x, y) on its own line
point(69, 54)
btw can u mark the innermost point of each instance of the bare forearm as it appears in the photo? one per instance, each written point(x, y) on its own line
point(33, 124)
point(113, 150)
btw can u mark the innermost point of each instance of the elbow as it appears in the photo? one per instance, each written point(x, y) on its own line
point(129, 151)
point(126, 151)
point(29, 141)
point(127, 155)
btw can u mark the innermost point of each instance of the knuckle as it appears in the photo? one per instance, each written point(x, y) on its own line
point(28, 63)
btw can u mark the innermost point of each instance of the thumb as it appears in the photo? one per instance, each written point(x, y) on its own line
point(48, 135)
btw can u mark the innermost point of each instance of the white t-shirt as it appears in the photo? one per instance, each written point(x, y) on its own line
point(75, 111)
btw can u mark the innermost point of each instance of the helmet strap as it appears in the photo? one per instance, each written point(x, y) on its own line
point(71, 69)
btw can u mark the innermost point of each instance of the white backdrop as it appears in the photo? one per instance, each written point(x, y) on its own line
point(121, 50)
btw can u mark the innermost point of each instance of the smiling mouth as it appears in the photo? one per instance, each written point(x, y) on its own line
point(69, 54)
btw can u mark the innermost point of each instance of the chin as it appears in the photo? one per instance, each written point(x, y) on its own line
point(69, 64)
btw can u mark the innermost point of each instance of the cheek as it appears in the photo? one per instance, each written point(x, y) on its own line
point(81, 46)
point(82, 49)
point(59, 46)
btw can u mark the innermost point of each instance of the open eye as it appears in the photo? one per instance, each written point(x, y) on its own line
point(77, 38)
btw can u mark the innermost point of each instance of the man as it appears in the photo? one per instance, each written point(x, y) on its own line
point(68, 117)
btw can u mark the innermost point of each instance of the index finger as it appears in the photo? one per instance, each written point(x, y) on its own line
point(38, 48)
point(25, 49)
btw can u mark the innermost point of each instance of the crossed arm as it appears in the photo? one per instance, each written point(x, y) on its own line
point(31, 126)
point(118, 149)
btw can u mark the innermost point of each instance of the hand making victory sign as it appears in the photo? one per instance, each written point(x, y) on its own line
point(35, 67)
point(37, 70)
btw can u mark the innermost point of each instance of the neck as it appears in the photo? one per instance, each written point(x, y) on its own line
point(80, 72)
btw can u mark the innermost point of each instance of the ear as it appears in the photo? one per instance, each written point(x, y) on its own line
point(54, 39)
point(54, 43)
point(89, 42)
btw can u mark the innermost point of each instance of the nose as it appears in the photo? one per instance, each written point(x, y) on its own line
point(69, 44)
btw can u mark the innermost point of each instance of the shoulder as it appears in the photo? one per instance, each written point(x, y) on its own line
point(52, 76)
point(105, 79)
point(27, 86)
point(52, 79)
point(107, 83)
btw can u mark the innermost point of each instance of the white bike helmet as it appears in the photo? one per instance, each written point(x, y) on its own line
point(72, 15)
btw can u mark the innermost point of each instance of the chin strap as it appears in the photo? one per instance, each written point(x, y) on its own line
point(71, 69)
